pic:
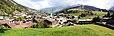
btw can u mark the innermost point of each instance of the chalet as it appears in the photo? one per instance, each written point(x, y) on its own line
point(1, 17)
point(4, 17)
point(21, 25)
point(7, 24)
point(68, 23)
point(37, 18)
point(54, 22)
point(105, 19)
point(46, 24)
point(75, 17)
point(4, 21)
point(29, 19)
point(87, 21)
point(18, 15)
point(110, 22)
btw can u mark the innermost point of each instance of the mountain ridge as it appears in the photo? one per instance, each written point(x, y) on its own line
point(87, 7)
point(57, 9)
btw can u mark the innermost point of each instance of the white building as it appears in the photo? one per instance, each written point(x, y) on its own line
point(1, 17)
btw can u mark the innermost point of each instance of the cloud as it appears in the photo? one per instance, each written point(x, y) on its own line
point(104, 4)
point(35, 5)
point(41, 4)
point(36, 0)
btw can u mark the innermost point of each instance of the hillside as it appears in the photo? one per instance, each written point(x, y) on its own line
point(78, 30)
point(79, 11)
point(57, 9)
point(9, 7)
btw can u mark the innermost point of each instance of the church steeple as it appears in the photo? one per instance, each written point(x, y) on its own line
point(82, 6)
point(51, 14)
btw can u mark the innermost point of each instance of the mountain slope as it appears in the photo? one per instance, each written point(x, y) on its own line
point(9, 7)
point(112, 8)
point(84, 8)
point(52, 9)
point(58, 8)
point(90, 7)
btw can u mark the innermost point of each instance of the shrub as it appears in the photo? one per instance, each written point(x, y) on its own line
point(45, 24)
point(42, 24)
point(37, 25)
point(1, 29)
point(20, 19)
point(96, 19)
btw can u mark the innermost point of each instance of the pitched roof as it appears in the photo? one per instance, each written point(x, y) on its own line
point(17, 24)
point(4, 21)
point(22, 25)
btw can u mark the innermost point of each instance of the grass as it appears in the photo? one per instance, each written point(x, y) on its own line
point(98, 13)
point(87, 17)
point(82, 30)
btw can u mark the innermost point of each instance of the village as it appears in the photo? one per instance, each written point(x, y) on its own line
point(56, 18)
point(50, 21)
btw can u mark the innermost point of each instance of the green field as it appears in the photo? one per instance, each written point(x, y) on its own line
point(78, 30)
point(98, 13)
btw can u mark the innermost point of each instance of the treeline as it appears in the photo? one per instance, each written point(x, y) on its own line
point(9, 8)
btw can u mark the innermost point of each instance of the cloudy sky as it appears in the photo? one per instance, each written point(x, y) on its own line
point(41, 4)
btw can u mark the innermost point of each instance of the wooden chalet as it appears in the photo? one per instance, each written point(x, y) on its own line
point(88, 21)
point(7, 24)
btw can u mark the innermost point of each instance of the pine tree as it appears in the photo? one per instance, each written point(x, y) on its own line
point(112, 15)
point(96, 19)
point(108, 14)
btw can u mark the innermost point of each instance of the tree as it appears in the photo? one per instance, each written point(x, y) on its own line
point(37, 25)
point(108, 14)
point(1, 29)
point(82, 15)
point(112, 15)
point(46, 24)
point(20, 19)
point(42, 24)
point(96, 19)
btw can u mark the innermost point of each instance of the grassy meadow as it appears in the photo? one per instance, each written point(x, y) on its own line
point(98, 13)
point(78, 30)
